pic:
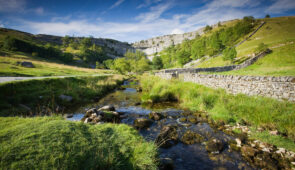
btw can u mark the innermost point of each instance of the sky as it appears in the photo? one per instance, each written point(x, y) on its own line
point(130, 20)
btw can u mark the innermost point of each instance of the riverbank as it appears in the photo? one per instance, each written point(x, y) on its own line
point(53, 95)
point(256, 112)
point(54, 143)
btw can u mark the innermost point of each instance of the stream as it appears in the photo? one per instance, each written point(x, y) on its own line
point(183, 156)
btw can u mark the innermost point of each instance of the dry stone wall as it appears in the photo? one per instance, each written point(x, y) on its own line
point(282, 88)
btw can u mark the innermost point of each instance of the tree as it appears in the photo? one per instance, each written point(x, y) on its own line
point(261, 48)
point(157, 63)
point(267, 16)
point(66, 41)
point(121, 65)
point(230, 53)
point(207, 28)
point(86, 43)
point(108, 63)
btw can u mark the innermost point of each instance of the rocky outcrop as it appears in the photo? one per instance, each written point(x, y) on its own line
point(157, 44)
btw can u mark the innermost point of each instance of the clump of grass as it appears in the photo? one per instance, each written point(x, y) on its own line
point(257, 111)
point(54, 143)
point(45, 92)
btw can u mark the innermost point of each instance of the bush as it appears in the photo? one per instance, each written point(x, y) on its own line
point(229, 53)
point(261, 48)
point(54, 143)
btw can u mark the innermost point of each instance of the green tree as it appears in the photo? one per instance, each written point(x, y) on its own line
point(108, 63)
point(207, 28)
point(121, 65)
point(261, 48)
point(66, 41)
point(86, 43)
point(230, 53)
point(267, 16)
point(157, 63)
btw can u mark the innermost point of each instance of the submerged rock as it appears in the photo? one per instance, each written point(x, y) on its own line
point(168, 136)
point(142, 123)
point(166, 164)
point(193, 119)
point(214, 145)
point(191, 137)
point(66, 98)
point(155, 116)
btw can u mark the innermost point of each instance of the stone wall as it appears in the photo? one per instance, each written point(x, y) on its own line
point(282, 88)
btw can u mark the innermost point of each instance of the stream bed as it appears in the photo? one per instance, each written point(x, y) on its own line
point(183, 156)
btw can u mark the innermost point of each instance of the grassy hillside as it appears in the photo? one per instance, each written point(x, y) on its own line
point(54, 143)
point(43, 67)
point(278, 34)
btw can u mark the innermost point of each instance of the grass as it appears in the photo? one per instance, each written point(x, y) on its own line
point(54, 143)
point(37, 94)
point(257, 111)
point(278, 34)
point(9, 67)
point(281, 62)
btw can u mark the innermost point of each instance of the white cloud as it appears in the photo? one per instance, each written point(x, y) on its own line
point(281, 6)
point(177, 31)
point(12, 5)
point(147, 3)
point(154, 13)
point(145, 25)
point(119, 2)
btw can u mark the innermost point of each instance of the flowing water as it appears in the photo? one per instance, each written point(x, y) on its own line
point(185, 157)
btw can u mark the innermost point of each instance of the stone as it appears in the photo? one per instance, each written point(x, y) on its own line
point(166, 164)
point(107, 108)
point(193, 119)
point(26, 64)
point(142, 123)
point(68, 115)
point(239, 142)
point(155, 116)
point(274, 132)
point(214, 145)
point(66, 98)
point(182, 119)
point(110, 116)
point(190, 137)
point(248, 151)
point(168, 136)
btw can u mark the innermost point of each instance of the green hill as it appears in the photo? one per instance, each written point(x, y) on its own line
point(279, 35)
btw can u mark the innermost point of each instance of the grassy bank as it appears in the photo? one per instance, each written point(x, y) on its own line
point(45, 93)
point(54, 143)
point(257, 111)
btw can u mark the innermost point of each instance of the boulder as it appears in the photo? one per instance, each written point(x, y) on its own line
point(110, 116)
point(68, 115)
point(142, 123)
point(107, 108)
point(26, 64)
point(66, 98)
point(190, 137)
point(214, 145)
point(168, 136)
point(155, 116)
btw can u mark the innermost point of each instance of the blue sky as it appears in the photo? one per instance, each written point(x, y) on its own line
point(130, 20)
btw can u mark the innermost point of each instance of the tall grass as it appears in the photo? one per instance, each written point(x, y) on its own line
point(45, 92)
point(53, 143)
point(258, 111)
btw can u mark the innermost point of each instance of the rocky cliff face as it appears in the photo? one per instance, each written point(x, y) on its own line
point(114, 48)
point(157, 44)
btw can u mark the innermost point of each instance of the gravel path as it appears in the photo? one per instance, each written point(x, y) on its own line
point(7, 79)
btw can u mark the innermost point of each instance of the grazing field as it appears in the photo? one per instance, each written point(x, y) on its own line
point(279, 36)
